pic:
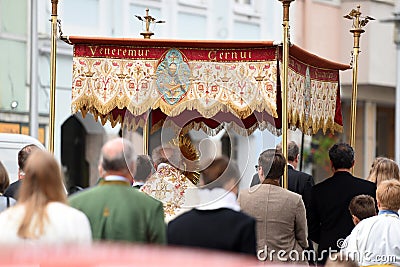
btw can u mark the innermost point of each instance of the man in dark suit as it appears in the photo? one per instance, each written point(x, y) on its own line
point(12, 190)
point(329, 218)
point(298, 182)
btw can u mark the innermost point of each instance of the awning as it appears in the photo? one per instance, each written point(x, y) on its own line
point(207, 85)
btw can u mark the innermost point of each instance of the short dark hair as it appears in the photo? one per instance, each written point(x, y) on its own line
point(362, 206)
point(273, 163)
point(220, 172)
point(292, 150)
point(24, 153)
point(144, 167)
point(341, 156)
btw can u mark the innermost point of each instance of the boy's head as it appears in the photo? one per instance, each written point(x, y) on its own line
point(388, 195)
point(222, 173)
point(362, 207)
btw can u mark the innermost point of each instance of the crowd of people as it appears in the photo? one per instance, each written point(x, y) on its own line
point(140, 199)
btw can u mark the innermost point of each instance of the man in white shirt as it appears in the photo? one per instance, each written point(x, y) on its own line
point(376, 240)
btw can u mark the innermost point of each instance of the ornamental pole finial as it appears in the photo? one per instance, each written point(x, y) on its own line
point(357, 29)
point(148, 21)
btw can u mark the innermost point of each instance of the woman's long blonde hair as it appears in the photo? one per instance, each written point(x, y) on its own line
point(42, 184)
point(383, 169)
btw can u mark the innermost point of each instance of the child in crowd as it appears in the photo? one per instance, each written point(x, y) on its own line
point(376, 240)
point(362, 207)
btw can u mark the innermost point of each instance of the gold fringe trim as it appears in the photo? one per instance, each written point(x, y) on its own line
point(92, 102)
point(211, 111)
point(102, 112)
point(307, 127)
point(197, 126)
point(311, 127)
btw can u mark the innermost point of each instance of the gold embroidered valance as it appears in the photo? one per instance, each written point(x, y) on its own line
point(203, 85)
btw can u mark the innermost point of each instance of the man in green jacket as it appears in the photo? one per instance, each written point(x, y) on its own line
point(117, 211)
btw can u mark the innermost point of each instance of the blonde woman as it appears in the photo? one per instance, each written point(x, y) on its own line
point(41, 215)
point(383, 169)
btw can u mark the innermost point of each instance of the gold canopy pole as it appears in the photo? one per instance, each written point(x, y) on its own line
point(146, 135)
point(53, 53)
point(147, 21)
point(357, 30)
point(284, 88)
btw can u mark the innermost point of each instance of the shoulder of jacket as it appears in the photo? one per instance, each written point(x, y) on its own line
point(294, 195)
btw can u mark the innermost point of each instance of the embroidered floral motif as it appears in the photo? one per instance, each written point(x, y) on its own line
point(167, 185)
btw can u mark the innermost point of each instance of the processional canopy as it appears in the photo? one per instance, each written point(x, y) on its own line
point(207, 85)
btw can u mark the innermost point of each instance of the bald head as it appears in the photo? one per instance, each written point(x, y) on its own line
point(118, 158)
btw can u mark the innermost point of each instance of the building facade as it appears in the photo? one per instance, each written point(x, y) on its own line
point(322, 30)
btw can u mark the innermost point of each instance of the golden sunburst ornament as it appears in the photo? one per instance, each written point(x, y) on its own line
point(190, 157)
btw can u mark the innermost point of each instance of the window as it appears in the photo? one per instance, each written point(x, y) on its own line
point(13, 74)
point(194, 3)
point(329, 2)
point(246, 31)
point(185, 29)
point(245, 7)
point(81, 17)
point(244, 2)
point(13, 17)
